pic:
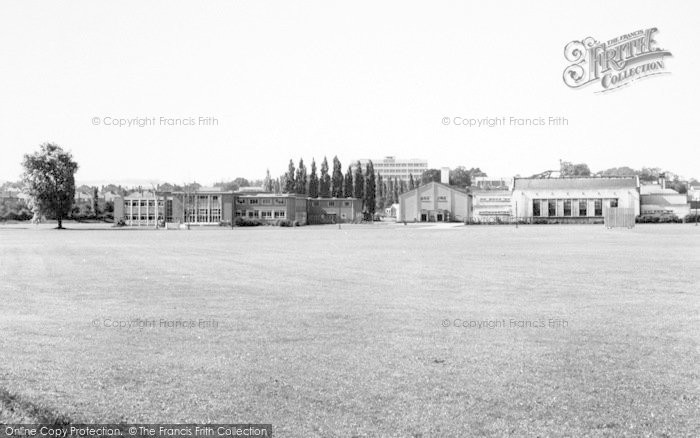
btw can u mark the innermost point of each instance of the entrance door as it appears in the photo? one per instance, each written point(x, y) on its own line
point(439, 217)
point(423, 217)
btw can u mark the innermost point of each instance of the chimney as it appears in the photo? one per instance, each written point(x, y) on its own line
point(662, 180)
point(445, 175)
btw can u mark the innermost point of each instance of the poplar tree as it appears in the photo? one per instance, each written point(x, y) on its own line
point(371, 189)
point(337, 180)
point(313, 180)
point(359, 187)
point(348, 192)
point(300, 180)
point(411, 183)
point(324, 184)
point(289, 178)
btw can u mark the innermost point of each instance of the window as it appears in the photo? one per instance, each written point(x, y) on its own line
point(331, 203)
point(552, 207)
point(598, 207)
point(240, 200)
point(252, 201)
point(442, 198)
point(280, 214)
point(343, 215)
point(266, 214)
point(214, 199)
point(238, 213)
point(266, 201)
point(567, 207)
point(613, 202)
point(536, 207)
point(583, 207)
point(280, 201)
point(425, 198)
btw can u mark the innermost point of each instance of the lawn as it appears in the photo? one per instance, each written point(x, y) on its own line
point(327, 332)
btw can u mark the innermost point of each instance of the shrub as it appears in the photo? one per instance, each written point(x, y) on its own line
point(284, 223)
point(243, 222)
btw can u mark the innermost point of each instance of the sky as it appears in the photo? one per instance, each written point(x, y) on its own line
point(362, 79)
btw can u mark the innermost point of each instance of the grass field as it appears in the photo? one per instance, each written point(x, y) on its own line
point(328, 332)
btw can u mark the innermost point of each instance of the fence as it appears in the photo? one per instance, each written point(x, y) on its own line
point(618, 217)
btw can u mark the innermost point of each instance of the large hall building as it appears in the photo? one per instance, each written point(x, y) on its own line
point(575, 199)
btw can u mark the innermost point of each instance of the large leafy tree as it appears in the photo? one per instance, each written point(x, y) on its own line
point(348, 183)
point(313, 180)
point(371, 189)
point(324, 184)
point(49, 175)
point(337, 179)
point(430, 175)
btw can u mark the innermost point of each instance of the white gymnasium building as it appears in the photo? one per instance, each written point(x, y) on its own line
point(573, 199)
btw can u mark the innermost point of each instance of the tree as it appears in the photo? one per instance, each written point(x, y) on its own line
point(324, 184)
point(267, 182)
point(313, 180)
point(395, 194)
point(371, 189)
point(380, 192)
point(411, 182)
point(49, 175)
point(459, 176)
point(348, 190)
point(95, 203)
point(300, 180)
point(289, 178)
point(430, 175)
point(337, 180)
point(359, 186)
point(390, 192)
point(568, 169)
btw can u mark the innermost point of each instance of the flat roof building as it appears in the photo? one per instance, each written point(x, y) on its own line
point(392, 167)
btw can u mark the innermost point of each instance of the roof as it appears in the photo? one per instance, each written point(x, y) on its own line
point(655, 189)
point(455, 188)
point(604, 183)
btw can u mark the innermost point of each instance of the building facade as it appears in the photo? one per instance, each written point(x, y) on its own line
point(657, 200)
point(334, 210)
point(434, 202)
point(392, 167)
point(491, 206)
point(271, 207)
point(573, 199)
point(212, 206)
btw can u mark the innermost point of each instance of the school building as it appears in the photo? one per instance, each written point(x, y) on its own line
point(213, 206)
point(573, 199)
point(434, 202)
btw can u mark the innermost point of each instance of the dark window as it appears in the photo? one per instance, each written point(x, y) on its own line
point(613, 202)
point(535, 207)
point(567, 207)
point(552, 210)
point(598, 207)
point(583, 207)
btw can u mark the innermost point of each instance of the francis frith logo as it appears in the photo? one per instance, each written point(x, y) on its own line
point(616, 62)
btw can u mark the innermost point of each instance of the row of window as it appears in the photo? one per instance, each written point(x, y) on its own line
point(262, 214)
point(329, 203)
point(427, 198)
point(569, 207)
point(143, 203)
point(264, 201)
